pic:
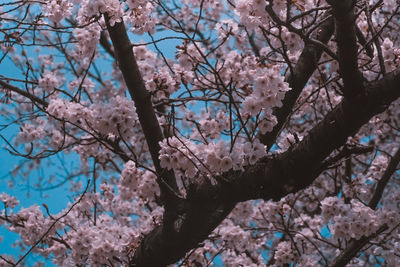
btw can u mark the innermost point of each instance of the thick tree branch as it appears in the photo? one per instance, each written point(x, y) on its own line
point(301, 164)
point(271, 178)
point(306, 65)
point(142, 99)
point(169, 242)
point(346, 38)
point(346, 152)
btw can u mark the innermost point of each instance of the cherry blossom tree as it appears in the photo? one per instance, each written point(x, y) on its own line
point(270, 138)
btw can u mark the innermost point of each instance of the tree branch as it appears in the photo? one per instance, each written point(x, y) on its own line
point(302, 163)
point(306, 65)
point(391, 168)
point(142, 99)
point(26, 94)
point(105, 44)
point(346, 153)
point(169, 242)
point(353, 248)
point(346, 39)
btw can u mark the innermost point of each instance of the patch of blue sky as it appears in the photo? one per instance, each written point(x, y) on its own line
point(367, 139)
point(266, 256)
point(278, 235)
point(217, 262)
point(325, 232)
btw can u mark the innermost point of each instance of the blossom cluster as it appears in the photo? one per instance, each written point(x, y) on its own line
point(135, 182)
point(213, 157)
point(211, 127)
point(390, 54)
point(8, 201)
point(87, 40)
point(98, 241)
point(115, 118)
point(29, 133)
point(362, 186)
point(49, 82)
point(269, 91)
point(352, 220)
point(140, 16)
point(113, 8)
point(285, 254)
point(57, 10)
point(158, 79)
point(252, 13)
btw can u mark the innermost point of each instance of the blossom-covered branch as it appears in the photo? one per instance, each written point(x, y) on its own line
point(141, 97)
point(305, 66)
point(298, 167)
point(270, 178)
point(249, 132)
point(356, 245)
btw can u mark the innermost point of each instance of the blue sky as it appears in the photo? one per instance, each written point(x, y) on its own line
point(56, 199)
